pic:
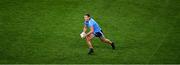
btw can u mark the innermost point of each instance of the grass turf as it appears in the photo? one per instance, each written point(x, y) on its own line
point(47, 31)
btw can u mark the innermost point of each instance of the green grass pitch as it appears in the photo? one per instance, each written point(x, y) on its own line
point(47, 31)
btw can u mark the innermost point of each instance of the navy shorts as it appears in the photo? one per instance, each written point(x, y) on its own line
point(99, 34)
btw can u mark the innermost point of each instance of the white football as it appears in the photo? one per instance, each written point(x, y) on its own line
point(83, 35)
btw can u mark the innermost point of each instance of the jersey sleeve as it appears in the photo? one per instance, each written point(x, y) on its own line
point(91, 23)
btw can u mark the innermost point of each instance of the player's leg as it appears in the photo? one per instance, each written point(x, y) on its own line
point(105, 40)
point(102, 38)
point(88, 40)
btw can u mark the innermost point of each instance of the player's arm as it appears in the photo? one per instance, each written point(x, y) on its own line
point(85, 29)
point(91, 31)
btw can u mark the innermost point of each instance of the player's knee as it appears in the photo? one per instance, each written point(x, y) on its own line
point(107, 39)
point(88, 38)
point(102, 40)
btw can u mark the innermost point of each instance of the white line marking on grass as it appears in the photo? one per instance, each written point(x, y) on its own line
point(165, 36)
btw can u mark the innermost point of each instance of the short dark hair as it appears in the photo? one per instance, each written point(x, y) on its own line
point(87, 15)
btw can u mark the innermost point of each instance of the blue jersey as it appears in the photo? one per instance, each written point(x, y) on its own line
point(93, 23)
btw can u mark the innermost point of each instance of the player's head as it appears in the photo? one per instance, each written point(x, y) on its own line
point(87, 17)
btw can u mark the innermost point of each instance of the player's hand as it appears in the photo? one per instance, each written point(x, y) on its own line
point(83, 35)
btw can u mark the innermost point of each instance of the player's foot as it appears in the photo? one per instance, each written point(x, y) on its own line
point(113, 45)
point(90, 51)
